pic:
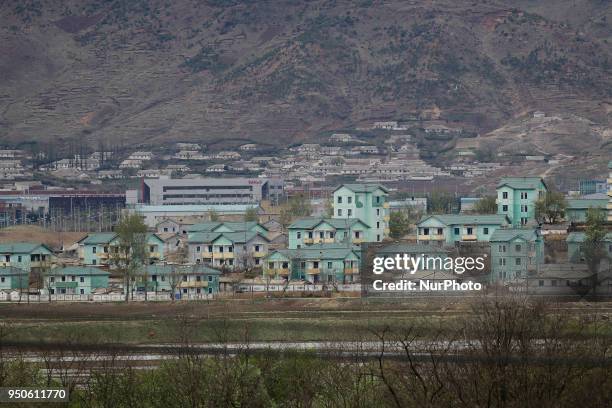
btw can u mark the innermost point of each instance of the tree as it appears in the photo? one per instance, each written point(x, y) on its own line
point(441, 203)
point(130, 254)
point(486, 205)
point(593, 245)
point(329, 208)
point(398, 224)
point(551, 207)
point(299, 206)
point(251, 215)
point(213, 216)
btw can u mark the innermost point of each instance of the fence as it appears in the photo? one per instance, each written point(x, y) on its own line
point(101, 298)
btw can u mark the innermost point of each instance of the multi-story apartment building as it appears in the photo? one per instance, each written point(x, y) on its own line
point(230, 250)
point(13, 278)
point(102, 248)
point(76, 280)
point(515, 253)
point(309, 231)
point(366, 202)
point(516, 197)
point(451, 228)
point(166, 191)
point(181, 281)
point(25, 255)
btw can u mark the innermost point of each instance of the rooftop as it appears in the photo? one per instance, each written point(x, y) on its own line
point(508, 234)
point(453, 219)
point(79, 270)
point(363, 188)
point(522, 183)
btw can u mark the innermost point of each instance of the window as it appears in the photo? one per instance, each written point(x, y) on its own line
point(210, 290)
point(210, 248)
point(378, 237)
point(19, 258)
point(63, 279)
point(540, 283)
point(94, 249)
point(221, 249)
point(349, 200)
point(504, 208)
point(349, 212)
point(425, 231)
point(357, 234)
point(299, 235)
point(332, 234)
point(94, 262)
point(315, 265)
point(185, 290)
point(339, 200)
point(486, 231)
point(285, 265)
point(339, 212)
point(152, 248)
point(2, 279)
point(440, 231)
point(470, 230)
point(52, 279)
point(377, 199)
point(256, 248)
point(257, 261)
point(184, 278)
point(524, 195)
point(329, 265)
point(517, 261)
point(271, 265)
point(81, 279)
point(502, 261)
point(230, 249)
point(505, 195)
point(502, 248)
point(310, 234)
point(105, 249)
point(198, 278)
point(198, 248)
point(377, 224)
point(163, 278)
point(517, 248)
point(165, 229)
point(457, 231)
point(322, 234)
point(82, 291)
point(198, 291)
point(553, 282)
point(210, 278)
point(378, 212)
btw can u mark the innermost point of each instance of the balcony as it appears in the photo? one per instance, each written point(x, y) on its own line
point(435, 237)
point(386, 218)
point(278, 271)
point(313, 271)
point(350, 271)
point(469, 237)
point(308, 240)
point(357, 240)
point(259, 254)
point(223, 255)
point(193, 284)
point(155, 255)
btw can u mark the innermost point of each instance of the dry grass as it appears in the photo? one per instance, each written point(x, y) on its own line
point(33, 233)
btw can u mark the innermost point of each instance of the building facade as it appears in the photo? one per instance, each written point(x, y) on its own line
point(309, 231)
point(515, 253)
point(25, 255)
point(366, 202)
point(76, 280)
point(516, 197)
point(450, 228)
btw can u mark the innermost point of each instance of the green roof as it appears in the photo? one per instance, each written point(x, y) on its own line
point(197, 269)
point(235, 237)
point(508, 234)
point(579, 204)
point(99, 238)
point(12, 271)
point(203, 226)
point(235, 226)
point(406, 248)
point(467, 219)
point(363, 188)
point(337, 223)
point(319, 253)
point(21, 247)
point(79, 270)
point(580, 236)
point(521, 183)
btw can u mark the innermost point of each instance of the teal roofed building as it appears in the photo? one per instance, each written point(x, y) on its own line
point(76, 280)
point(451, 228)
point(576, 210)
point(309, 231)
point(228, 226)
point(516, 197)
point(25, 255)
point(575, 252)
point(180, 281)
point(366, 202)
point(12, 278)
point(319, 263)
point(230, 250)
point(515, 252)
point(100, 248)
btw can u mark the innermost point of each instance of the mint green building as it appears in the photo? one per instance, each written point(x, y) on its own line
point(188, 281)
point(99, 248)
point(231, 250)
point(13, 278)
point(230, 226)
point(25, 255)
point(318, 263)
point(76, 280)
point(515, 252)
point(576, 210)
point(366, 202)
point(309, 231)
point(450, 228)
point(516, 197)
point(574, 246)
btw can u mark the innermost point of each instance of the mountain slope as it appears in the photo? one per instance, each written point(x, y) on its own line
point(155, 71)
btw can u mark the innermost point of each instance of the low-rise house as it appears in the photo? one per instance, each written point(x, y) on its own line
point(13, 278)
point(341, 137)
point(130, 164)
point(180, 281)
point(309, 231)
point(576, 209)
point(575, 242)
point(227, 155)
point(248, 147)
point(76, 280)
point(325, 263)
point(145, 156)
point(231, 250)
point(169, 225)
point(216, 168)
point(149, 173)
point(451, 228)
point(25, 255)
point(228, 226)
point(102, 248)
point(515, 253)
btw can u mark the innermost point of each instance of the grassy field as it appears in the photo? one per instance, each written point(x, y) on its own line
point(240, 320)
